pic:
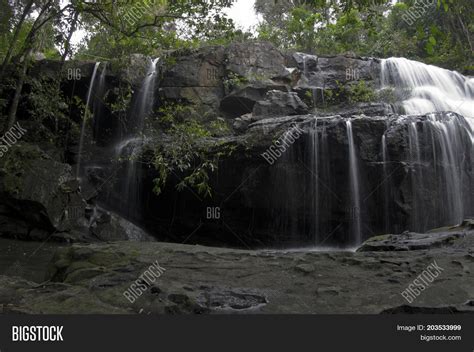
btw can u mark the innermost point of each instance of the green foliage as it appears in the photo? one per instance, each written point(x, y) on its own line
point(153, 26)
point(360, 92)
point(234, 81)
point(442, 35)
point(118, 100)
point(184, 154)
point(219, 128)
point(45, 100)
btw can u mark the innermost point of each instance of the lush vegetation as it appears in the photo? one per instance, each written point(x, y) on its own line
point(433, 31)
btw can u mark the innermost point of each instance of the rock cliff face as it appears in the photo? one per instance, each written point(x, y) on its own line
point(318, 156)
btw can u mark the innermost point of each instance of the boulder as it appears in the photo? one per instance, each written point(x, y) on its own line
point(195, 78)
point(256, 61)
point(334, 72)
point(277, 103)
point(243, 100)
point(418, 241)
point(39, 190)
point(108, 226)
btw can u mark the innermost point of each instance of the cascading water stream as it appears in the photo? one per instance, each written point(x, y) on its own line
point(98, 108)
point(145, 99)
point(307, 74)
point(355, 210)
point(130, 148)
point(417, 218)
point(315, 152)
point(429, 88)
point(85, 117)
point(386, 182)
point(425, 89)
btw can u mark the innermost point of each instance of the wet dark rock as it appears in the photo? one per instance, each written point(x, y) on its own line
point(39, 192)
point(195, 78)
point(269, 202)
point(41, 199)
point(331, 72)
point(108, 226)
point(243, 100)
point(277, 103)
point(416, 241)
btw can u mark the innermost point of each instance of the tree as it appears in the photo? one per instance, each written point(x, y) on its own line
point(128, 24)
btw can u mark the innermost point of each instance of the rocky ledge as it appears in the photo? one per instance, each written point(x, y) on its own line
point(92, 278)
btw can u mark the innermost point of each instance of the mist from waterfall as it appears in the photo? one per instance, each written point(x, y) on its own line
point(86, 117)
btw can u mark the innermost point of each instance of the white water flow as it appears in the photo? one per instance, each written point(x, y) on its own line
point(100, 95)
point(314, 91)
point(315, 169)
point(429, 88)
point(416, 176)
point(146, 96)
point(86, 116)
point(354, 182)
point(437, 142)
point(449, 135)
point(130, 148)
point(386, 182)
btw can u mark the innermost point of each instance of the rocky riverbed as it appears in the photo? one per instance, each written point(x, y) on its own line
point(91, 278)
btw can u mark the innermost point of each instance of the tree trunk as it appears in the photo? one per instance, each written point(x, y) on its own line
point(9, 53)
point(466, 33)
point(19, 87)
point(67, 44)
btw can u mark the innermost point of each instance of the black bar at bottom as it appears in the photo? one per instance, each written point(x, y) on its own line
point(249, 332)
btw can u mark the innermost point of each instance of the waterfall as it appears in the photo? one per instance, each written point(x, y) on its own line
point(145, 101)
point(85, 117)
point(355, 211)
point(98, 107)
point(130, 148)
point(315, 145)
point(425, 89)
point(429, 88)
point(417, 218)
point(386, 183)
point(449, 140)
